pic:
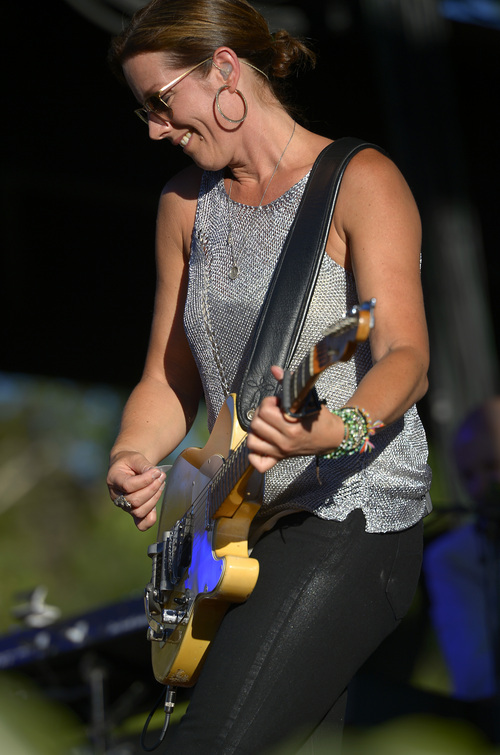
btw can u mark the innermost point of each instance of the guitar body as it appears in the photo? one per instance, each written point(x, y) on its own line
point(200, 560)
point(205, 565)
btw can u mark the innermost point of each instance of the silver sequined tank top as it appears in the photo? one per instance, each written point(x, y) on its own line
point(391, 483)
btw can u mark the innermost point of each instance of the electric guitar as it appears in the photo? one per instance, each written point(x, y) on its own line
point(201, 562)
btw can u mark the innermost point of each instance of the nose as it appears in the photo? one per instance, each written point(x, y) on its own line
point(159, 128)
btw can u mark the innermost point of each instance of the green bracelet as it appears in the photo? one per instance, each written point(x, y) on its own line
point(358, 427)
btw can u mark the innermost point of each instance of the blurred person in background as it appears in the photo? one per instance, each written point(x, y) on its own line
point(462, 568)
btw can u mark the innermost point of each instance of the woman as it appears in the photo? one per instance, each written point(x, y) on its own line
point(337, 575)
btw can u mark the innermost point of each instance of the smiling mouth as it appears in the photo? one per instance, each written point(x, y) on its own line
point(185, 139)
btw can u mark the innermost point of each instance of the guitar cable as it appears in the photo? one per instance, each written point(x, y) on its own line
point(170, 695)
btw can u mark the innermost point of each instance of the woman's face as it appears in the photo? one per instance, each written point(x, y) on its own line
point(189, 121)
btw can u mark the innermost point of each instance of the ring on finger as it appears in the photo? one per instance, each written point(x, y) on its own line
point(122, 503)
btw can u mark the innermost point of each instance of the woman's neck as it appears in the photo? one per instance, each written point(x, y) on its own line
point(267, 163)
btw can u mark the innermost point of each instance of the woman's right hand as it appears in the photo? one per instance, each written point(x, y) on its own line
point(132, 477)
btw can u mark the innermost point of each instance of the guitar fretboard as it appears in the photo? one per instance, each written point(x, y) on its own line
point(334, 346)
point(224, 480)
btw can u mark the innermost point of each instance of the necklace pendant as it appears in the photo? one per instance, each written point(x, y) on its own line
point(234, 272)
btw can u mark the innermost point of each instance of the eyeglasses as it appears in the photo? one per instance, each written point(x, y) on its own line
point(156, 104)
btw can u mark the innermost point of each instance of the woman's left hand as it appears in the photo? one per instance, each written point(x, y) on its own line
point(274, 435)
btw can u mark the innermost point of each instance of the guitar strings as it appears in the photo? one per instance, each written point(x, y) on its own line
point(322, 354)
point(198, 506)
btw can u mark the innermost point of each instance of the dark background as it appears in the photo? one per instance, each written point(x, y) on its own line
point(81, 179)
point(81, 182)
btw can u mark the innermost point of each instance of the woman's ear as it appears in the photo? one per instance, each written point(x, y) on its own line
point(226, 62)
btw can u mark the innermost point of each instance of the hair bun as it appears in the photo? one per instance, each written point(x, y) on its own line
point(290, 54)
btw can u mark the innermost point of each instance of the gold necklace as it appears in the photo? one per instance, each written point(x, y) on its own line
point(234, 271)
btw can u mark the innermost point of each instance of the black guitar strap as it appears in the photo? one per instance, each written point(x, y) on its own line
point(283, 313)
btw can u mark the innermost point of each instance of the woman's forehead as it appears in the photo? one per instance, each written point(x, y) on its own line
point(148, 72)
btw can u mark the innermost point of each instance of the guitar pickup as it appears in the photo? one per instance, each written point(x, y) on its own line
point(156, 552)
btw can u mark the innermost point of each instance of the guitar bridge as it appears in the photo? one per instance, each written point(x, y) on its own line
point(159, 631)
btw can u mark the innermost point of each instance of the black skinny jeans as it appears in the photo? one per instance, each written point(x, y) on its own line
point(328, 593)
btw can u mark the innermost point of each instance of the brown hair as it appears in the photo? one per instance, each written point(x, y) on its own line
point(191, 31)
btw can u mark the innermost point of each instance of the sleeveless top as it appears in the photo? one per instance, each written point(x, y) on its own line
point(391, 483)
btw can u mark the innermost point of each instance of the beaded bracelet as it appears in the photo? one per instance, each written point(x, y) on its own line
point(358, 428)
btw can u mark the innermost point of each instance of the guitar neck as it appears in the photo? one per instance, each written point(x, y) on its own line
point(302, 381)
point(228, 485)
point(321, 356)
point(337, 345)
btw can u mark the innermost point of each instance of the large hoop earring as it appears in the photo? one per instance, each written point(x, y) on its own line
point(242, 97)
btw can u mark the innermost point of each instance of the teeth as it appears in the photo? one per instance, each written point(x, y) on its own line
point(186, 138)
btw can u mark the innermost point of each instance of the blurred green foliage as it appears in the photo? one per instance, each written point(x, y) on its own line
point(58, 526)
point(59, 529)
point(31, 724)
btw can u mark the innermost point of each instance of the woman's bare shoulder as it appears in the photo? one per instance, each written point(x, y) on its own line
point(177, 209)
point(373, 184)
point(373, 168)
